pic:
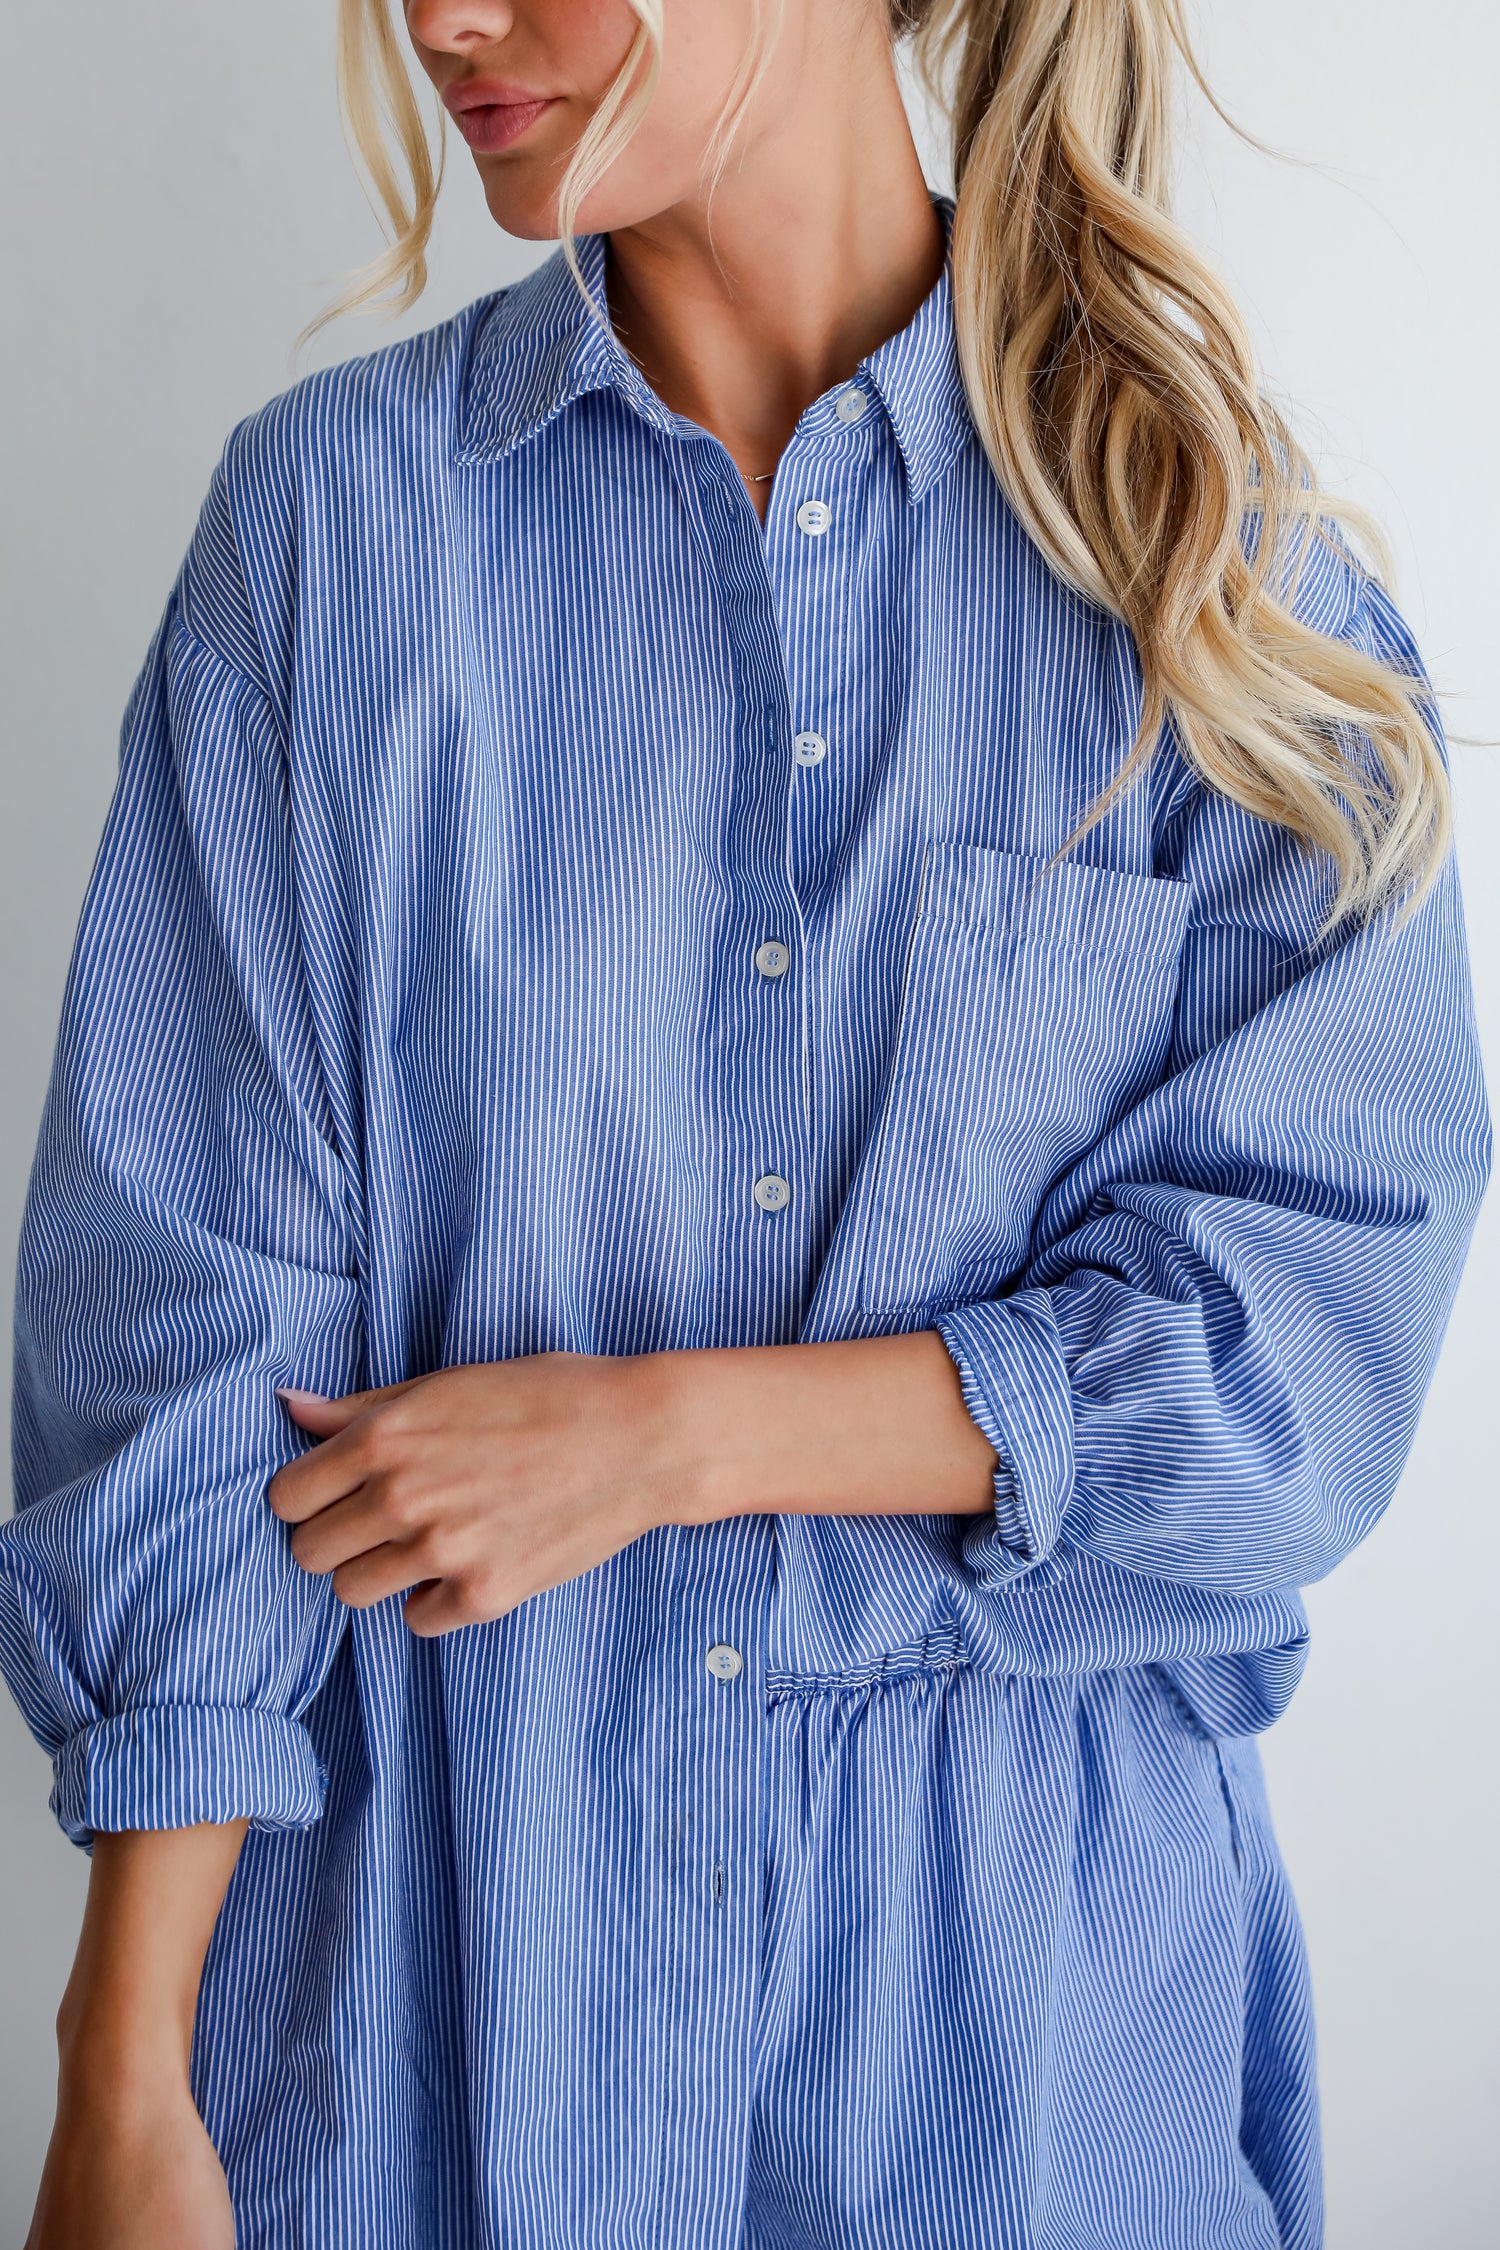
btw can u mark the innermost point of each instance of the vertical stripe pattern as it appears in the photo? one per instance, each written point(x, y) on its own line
point(421, 1014)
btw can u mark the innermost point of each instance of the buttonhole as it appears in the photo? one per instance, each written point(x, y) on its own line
point(718, 1886)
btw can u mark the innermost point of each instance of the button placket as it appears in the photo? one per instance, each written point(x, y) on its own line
point(759, 1039)
point(814, 520)
point(809, 558)
point(705, 1766)
point(813, 532)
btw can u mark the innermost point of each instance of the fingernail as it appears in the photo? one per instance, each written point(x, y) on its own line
point(301, 1398)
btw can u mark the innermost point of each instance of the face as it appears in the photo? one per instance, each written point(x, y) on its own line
point(521, 79)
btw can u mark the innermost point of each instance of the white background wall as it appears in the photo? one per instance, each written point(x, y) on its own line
point(175, 203)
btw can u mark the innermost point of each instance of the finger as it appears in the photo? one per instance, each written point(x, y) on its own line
point(317, 1480)
point(325, 1417)
point(375, 1575)
point(352, 1526)
point(321, 1416)
point(433, 1609)
point(442, 1605)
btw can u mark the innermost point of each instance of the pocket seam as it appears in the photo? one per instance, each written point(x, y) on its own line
point(1139, 934)
point(1161, 944)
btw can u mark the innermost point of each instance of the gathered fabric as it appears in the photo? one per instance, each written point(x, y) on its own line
point(545, 909)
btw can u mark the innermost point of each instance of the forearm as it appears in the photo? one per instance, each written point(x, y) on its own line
point(473, 1489)
point(872, 1427)
point(154, 1897)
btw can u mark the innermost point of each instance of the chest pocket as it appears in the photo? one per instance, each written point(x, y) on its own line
point(1037, 1008)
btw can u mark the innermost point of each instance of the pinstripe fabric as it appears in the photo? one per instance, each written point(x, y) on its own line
point(415, 1019)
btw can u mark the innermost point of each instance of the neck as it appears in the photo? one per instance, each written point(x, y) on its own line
point(818, 243)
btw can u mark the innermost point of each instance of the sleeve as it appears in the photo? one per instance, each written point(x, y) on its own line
point(188, 1244)
point(1210, 1369)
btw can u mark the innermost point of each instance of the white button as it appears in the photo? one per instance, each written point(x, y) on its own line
point(814, 517)
point(773, 959)
point(850, 404)
point(772, 1192)
point(808, 748)
point(724, 1662)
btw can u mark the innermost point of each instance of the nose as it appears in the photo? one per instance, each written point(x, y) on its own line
point(458, 27)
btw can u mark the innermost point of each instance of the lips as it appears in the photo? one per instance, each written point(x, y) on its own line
point(491, 115)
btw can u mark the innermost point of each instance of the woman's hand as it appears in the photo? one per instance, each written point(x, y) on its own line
point(481, 1486)
point(131, 2171)
point(129, 2166)
point(475, 1488)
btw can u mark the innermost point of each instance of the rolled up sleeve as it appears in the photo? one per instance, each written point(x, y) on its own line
point(187, 1246)
point(1211, 1368)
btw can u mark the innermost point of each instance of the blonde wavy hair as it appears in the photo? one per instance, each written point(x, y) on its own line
point(1112, 381)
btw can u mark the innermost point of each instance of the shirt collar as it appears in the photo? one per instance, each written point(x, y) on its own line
point(917, 375)
point(540, 346)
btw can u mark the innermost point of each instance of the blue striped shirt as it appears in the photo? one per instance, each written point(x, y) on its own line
point(420, 1015)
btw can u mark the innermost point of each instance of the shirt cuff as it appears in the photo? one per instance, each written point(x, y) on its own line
point(1015, 1384)
point(171, 1766)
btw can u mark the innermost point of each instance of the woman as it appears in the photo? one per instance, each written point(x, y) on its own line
point(777, 942)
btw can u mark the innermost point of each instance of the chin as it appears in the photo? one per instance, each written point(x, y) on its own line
point(529, 216)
